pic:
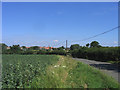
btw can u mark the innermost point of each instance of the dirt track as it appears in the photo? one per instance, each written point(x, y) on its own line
point(108, 68)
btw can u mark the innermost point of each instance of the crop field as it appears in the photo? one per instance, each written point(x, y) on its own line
point(51, 71)
point(19, 70)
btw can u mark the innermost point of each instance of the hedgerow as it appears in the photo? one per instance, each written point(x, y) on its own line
point(100, 54)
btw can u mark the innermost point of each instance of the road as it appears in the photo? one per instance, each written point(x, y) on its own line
point(108, 68)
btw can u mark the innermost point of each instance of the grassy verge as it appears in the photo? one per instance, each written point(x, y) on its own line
point(114, 62)
point(68, 73)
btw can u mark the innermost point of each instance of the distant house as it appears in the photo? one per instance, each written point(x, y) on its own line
point(46, 48)
point(8, 47)
point(27, 47)
point(21, 47)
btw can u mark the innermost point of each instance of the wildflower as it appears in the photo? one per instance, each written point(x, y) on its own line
point(64, 66)
point(55, 66)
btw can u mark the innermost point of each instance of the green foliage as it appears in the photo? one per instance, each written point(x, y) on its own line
point(100, 54)
point(58, 52)
point(34, 48)
point(24, 47)
point(47, 71)
point(87, 45)
point(15, 49)
point(28, 52)
point(94, 44)
point(75, 46)
point(19, 70)
point(84, 76)
point(74, 75)
point(55, 52)
point(61, 48)
point(42, 52)
point(3, 47)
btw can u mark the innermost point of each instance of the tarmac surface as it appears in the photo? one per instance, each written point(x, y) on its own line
point(108, 68)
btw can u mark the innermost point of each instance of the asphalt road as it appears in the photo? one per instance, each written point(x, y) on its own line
point(108, 68)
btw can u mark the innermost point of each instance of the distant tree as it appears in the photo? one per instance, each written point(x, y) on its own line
point(24, 48)
point(94, 44)
point(54, 48)
point(3, 48)
point(75, 46)
point(87, 45)
point(61, 48)
point(35, 48)
point(15, 49)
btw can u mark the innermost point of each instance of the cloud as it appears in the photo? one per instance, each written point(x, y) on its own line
point(55, 40)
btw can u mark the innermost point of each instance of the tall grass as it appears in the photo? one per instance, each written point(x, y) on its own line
point(73, 74)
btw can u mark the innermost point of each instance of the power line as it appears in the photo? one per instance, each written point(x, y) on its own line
point(63, 42)
point(97, 35)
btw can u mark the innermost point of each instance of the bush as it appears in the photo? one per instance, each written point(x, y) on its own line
point(100, 54)
point(58, 52)
point(42, 52)
point(28, 52)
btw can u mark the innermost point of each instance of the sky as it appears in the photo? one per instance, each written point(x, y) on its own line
point(51, 24)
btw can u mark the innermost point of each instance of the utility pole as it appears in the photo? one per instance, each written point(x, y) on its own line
point(66, 45)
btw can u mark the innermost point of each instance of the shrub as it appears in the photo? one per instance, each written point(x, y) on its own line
point(100, 54)
point(28, 52)
point(42, 52)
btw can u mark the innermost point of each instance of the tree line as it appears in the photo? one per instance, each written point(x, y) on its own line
point(91, 50)
point(16, 49)
point(95, 51)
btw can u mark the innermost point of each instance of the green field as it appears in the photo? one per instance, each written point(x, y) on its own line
point(51, 71)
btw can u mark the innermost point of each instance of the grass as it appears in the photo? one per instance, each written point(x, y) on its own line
point(52, 72)
point(68, 73)
point(114, 62)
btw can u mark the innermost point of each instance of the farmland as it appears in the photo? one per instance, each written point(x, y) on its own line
point(51, 71)
point(21, 69)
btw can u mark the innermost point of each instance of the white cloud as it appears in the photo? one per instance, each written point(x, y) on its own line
point(55, 40)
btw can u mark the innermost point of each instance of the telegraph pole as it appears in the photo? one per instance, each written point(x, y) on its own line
point(66, 45)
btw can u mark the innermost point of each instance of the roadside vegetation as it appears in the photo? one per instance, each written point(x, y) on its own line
point(51, 71)
point(93, 51)
point(49, 68)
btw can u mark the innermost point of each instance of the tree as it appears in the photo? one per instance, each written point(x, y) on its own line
point(35, 48)
point(3, 47)
point(61, 48)
point(24, 48)
point(54, 48)
point(94, 44)
point(15, 49)
point(74, 46)
point(87, 45)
